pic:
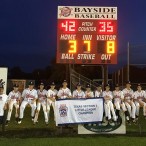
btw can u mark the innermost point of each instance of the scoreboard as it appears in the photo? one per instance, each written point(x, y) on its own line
point(87, 35)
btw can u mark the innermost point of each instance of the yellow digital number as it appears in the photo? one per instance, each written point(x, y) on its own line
point(110, 47)
point(73, 46)
point(88, 45)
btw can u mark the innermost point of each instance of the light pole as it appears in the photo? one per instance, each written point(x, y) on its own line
point(128, 62)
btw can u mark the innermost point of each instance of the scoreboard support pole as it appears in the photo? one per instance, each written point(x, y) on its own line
point(105, 68)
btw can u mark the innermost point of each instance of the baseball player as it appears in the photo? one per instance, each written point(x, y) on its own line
point(98, 91)
point(128, 100)
point(139, 99)
point(42, 101)
point(88, 92)
point(3, 102)
point(108, 105)
point(29, 97)
point(64, 92)
point(13, 100)
point(51, 98)
point(78, 93)
point(118, 98)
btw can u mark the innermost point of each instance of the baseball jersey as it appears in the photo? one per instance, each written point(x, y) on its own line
point(89, 94)
point(42, 95)
point(139, 95)
point(29, 95)
point(127, 94)
point(118, 95)
point(3, 101)
point(108, 93)
point(14, 96)
point(78, 94)
point(64, 93)
point(52, 93)
point(98, 93)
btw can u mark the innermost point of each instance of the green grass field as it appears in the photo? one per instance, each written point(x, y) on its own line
point(33, 135)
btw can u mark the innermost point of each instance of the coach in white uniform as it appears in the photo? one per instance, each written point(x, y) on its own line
point(51, 98)
point(64, 92)
point(128, 99)
point(13, 100)
point(29, 96)
point(108, 105)
point(78, 93)
point(42, 101)
point(139, 99)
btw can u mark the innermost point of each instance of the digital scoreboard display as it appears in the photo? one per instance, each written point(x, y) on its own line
point(87, 35)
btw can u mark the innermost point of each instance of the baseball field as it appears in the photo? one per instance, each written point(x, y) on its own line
point(27, 134)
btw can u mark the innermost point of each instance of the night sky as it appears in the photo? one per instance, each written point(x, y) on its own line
point(28, 30)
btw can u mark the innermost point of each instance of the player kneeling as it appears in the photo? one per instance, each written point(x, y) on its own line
point(108, 105)
point(139, 99)
point(118, 98)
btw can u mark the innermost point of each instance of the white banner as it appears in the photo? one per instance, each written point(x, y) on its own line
point(79, 111)
point(3, 76)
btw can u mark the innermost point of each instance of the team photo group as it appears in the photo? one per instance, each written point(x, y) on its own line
point(126, 100)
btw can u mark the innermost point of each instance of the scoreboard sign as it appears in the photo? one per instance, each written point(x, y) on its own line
point(87, 35)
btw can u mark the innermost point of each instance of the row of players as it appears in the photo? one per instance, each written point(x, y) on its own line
point(126, 100)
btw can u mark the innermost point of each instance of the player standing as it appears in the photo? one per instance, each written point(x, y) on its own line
point(42, 101)
point(29, 97)
point(13, 100)
point(108, 105)
point(64, 92)
point(128, 100)
point(139, 99)
point(88, 92)
point(3, 102)
point(51, 98)
point(118, 98)
point(78, 93)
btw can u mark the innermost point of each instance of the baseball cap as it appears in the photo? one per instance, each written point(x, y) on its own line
point(138, 85)
point(64, 81)
point(78, 84)
point(117, 85)
point(128, 82)
point(107, 85)
point(88, 86)
point(41, 83)
point(99, 85)
point(31, 83)
point(52, 84)
point(16, 85)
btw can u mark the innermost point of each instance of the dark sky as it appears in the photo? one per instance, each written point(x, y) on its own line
point(28, 30)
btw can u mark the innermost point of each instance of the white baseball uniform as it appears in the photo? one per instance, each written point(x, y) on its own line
point(78, 94)
point(89, 94)
point(108, 105)
point(139, 97)
point(29, 97)
point(118, 98)
point(42, 101)
point(64, 93)
point(3, 101)
point(51, 93)
point(98, 93)
point(13, 100)
point(128, 96)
